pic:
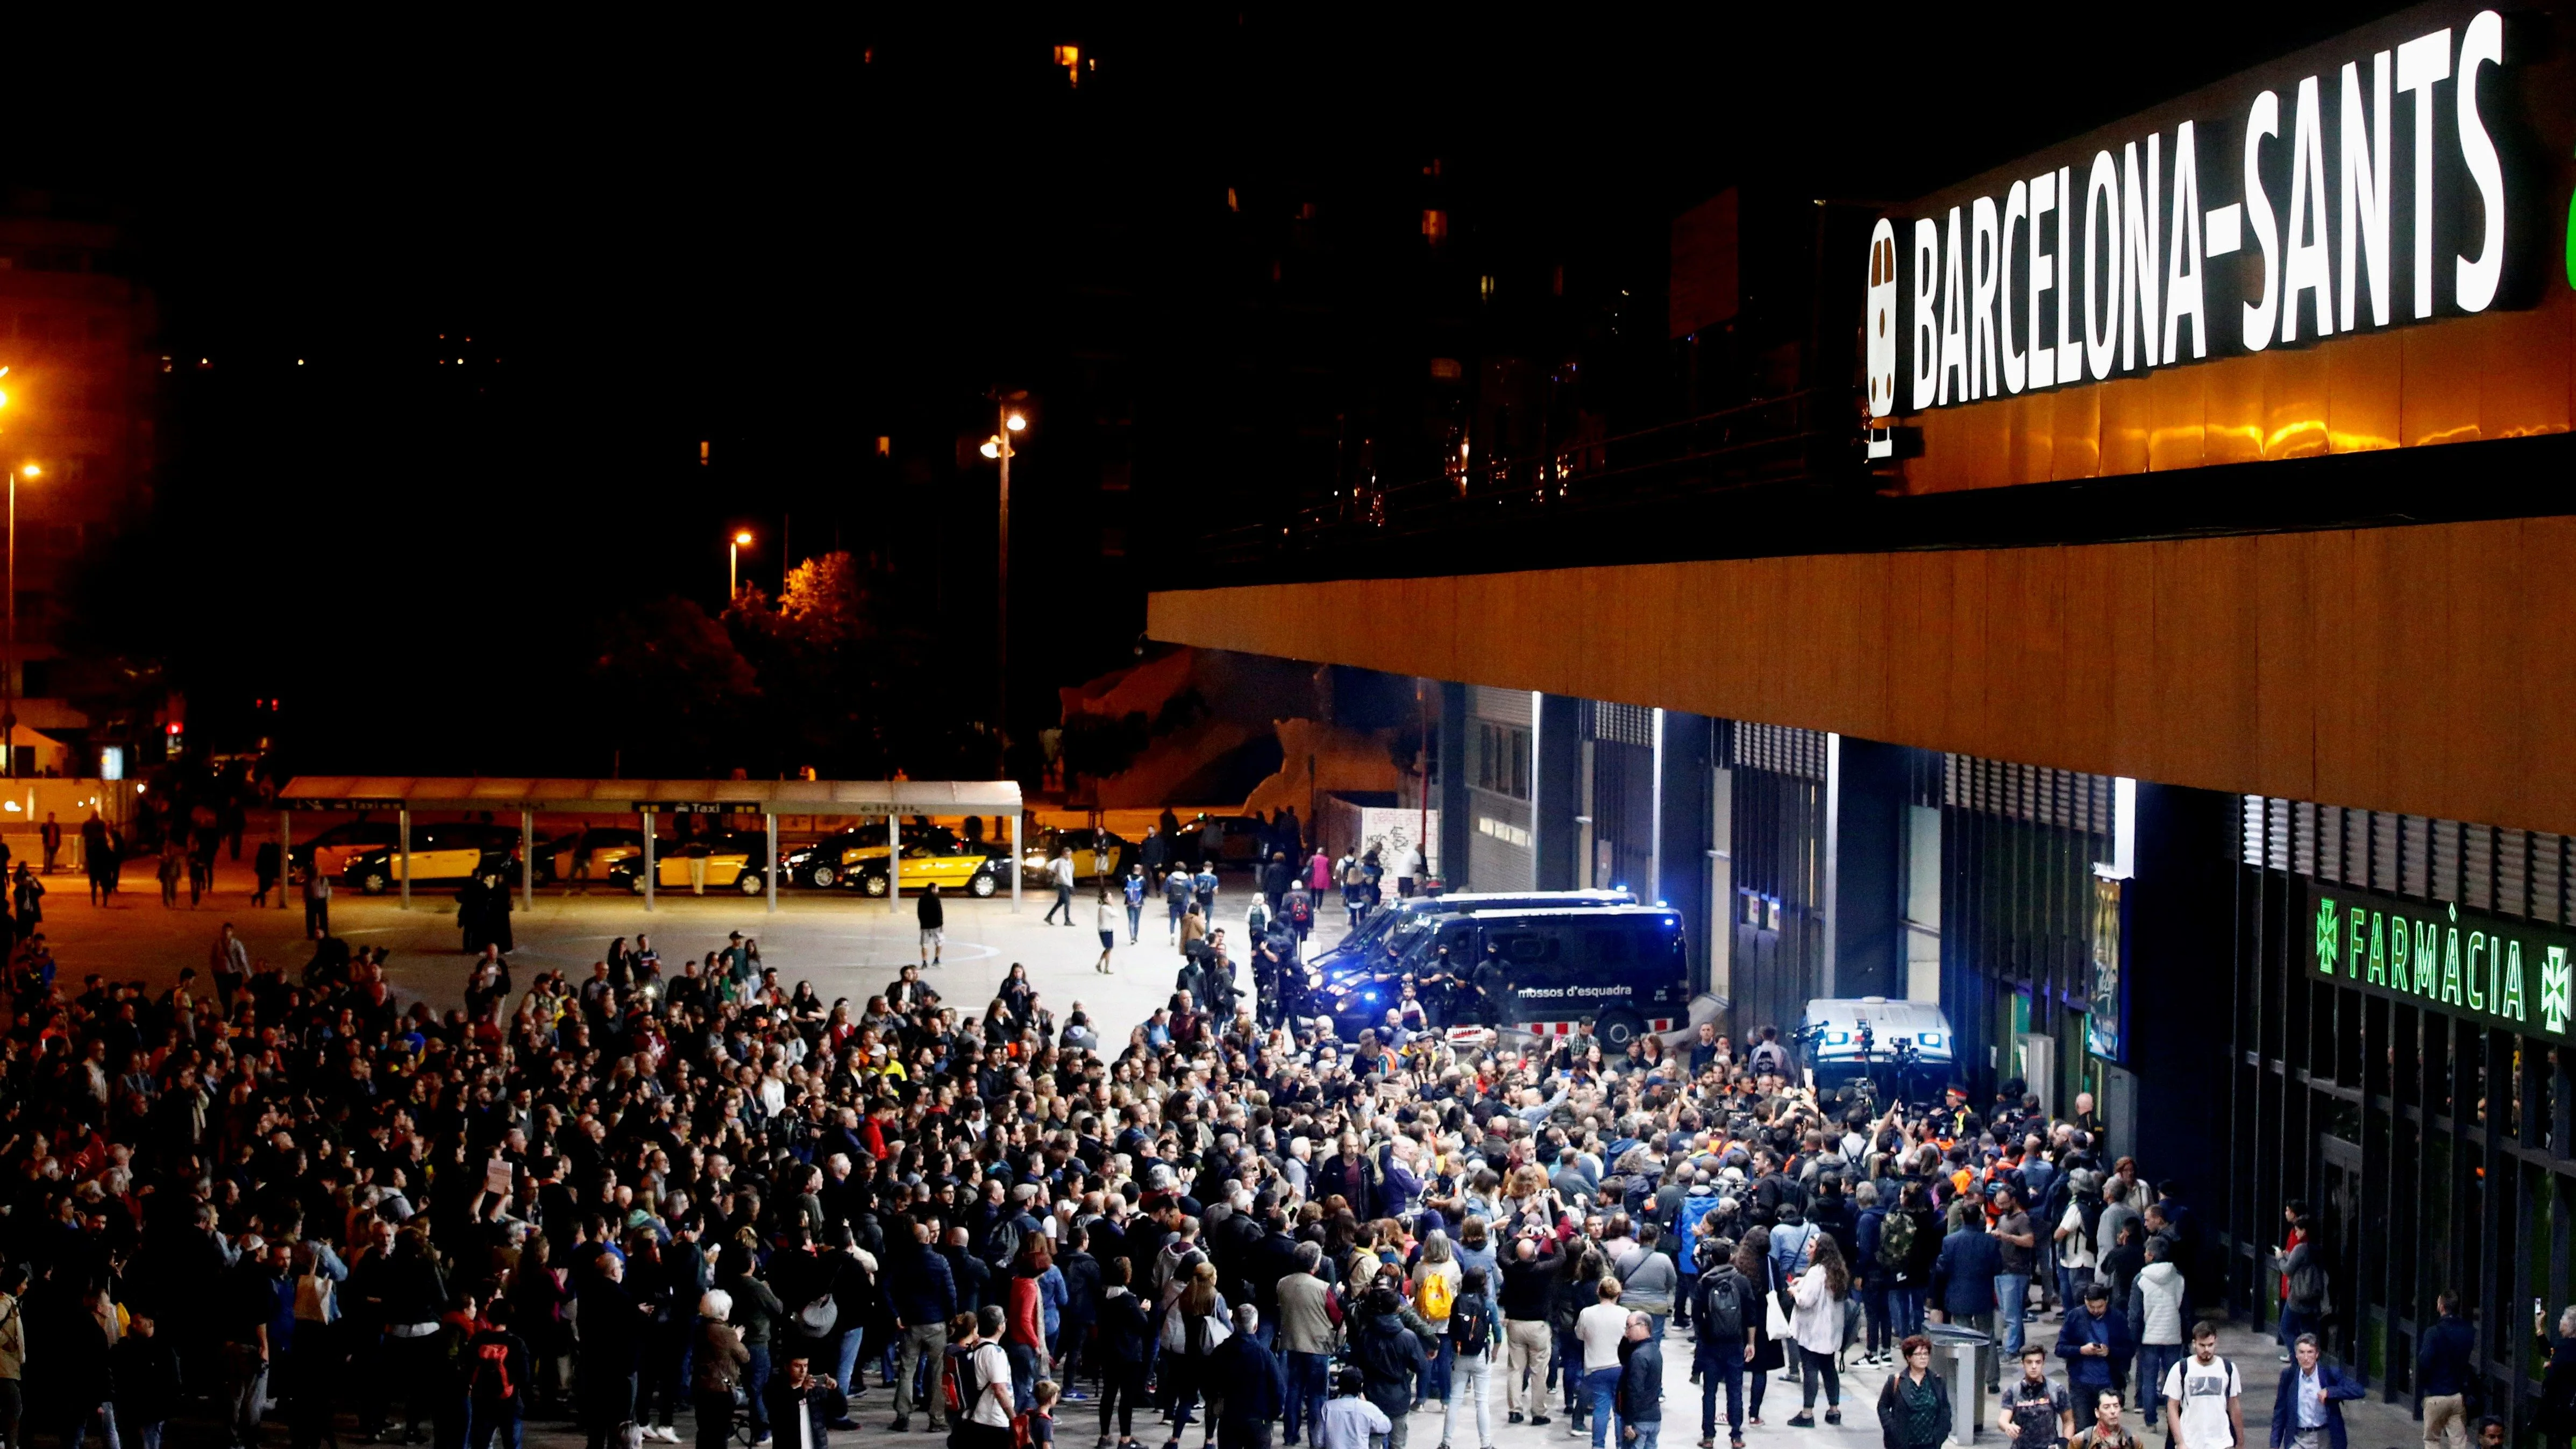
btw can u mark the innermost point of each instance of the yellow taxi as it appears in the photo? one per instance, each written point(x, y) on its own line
point(607, 846)
point(948, 863)
point(736, 860)
point(437, 853)
point(334, 849)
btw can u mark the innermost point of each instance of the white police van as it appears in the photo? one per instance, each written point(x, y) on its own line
point(1900, 1048)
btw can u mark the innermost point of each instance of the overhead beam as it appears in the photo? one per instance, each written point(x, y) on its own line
point(2422, 670)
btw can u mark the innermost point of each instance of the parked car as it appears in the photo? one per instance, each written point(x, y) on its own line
point(1097, 854)
point(736, 860)
point(336, 846)
point(951, 864)
point(608, 844)
point(442, 852)
point(837, 857)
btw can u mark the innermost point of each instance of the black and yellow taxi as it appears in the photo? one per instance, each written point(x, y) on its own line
point(1097, 854)
point(607, 844)
point(333, 849)
point(824, 862)
point(736, 860)
point(938, 858)
point(450, 852)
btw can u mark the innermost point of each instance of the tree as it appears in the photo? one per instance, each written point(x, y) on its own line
point(674, 689)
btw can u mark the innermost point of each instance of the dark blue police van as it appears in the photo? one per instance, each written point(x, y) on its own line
point(1535, 971)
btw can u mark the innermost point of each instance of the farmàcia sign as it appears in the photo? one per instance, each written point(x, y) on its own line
point(2370, 182)
point(2504, 972)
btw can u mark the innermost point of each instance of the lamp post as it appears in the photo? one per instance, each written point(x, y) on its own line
point(733, 565)
point(998, 448)
point(9, 665)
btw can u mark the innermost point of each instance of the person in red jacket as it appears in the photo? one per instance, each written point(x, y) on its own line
point(1024, 1327)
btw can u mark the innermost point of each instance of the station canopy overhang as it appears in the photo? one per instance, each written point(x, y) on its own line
point(362, 793)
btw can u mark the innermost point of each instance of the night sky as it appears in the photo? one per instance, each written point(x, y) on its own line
point(788, 240)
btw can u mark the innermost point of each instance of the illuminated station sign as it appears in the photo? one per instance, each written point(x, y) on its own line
point(2378, 181)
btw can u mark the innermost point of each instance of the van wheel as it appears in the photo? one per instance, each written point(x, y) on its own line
point(749, 883)
point(1617, 1029)
point(873, 885)
point(823, 877)
point(635, 884)
point(374, 883)
point(982, 886)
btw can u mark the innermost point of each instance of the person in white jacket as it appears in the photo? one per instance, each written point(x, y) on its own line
point(2158, 1304)
point(1817, 1325)
point(1108, 921)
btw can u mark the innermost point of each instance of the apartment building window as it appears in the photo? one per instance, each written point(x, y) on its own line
point(1503, 760)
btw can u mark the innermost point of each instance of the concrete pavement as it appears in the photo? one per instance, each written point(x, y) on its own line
point(845, 944)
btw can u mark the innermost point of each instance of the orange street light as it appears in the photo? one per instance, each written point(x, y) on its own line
point(733, 564)
point(9, 665)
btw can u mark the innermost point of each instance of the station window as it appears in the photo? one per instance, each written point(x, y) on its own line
point(1503, 760)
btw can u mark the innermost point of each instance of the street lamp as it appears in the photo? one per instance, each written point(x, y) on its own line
point(998, 448)
point(733, 565)
point(9, 666)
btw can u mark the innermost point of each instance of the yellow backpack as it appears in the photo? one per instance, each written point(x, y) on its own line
point(1436, 1295)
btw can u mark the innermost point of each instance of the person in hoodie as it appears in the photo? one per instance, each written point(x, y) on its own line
point(2159, 1311)
point(499, 1374)
point(1698, 1201)
point(1083, 1287)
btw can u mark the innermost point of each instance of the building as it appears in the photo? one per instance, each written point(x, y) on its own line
point(2151, 645)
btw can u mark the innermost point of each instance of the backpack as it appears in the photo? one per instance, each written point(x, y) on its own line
point(1259, 919)
point(491, 1383)
point(1895, 1239)
point(1004, 1244)
point(1471, 1326)
point(1300, 912)
point(1721, 1308)
point(1437, 1295)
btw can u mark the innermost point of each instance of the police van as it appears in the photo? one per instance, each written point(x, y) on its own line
point(1390, 931)
point(1535, 971)
point(1872, 1046)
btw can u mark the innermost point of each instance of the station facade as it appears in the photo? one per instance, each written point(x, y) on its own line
point(2257, 830)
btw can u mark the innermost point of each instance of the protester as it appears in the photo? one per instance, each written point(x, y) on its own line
point(634, 1195)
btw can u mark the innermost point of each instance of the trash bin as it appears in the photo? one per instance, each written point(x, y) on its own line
point(1963, 1346)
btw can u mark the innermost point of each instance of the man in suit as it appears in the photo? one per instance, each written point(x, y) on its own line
point(2307, 1409)
point(1962, 1290)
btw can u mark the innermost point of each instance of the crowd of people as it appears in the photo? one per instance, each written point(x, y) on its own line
point(637, 1199)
